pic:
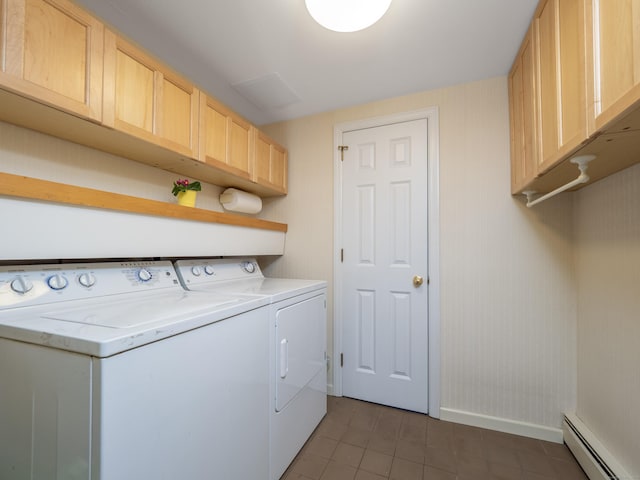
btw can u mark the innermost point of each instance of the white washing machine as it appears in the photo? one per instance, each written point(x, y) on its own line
point(111, 371)
point(298, 345)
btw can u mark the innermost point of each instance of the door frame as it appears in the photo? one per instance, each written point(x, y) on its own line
point(433, 248)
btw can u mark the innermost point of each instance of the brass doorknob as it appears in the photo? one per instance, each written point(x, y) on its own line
point(417, 280)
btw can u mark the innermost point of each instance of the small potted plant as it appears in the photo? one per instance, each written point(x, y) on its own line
point(185, 191)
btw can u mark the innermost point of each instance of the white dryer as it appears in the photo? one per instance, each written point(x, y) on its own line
point(111, 371)
point(298, 316)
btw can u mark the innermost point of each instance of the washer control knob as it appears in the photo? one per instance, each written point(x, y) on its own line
point(57, 282)
point(144, 275)
point(87, 280)
point(196, 271)
point(21, 284)
point(208, 269)
point(249, 267)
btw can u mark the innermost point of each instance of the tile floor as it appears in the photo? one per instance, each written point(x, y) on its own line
point(363, 441)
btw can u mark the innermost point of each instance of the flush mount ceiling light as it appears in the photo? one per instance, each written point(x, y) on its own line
point(347, 15)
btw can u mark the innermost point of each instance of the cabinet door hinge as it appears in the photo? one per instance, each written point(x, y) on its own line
point(342, 360)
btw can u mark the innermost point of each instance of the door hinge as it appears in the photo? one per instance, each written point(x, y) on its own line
point(342, 149)
point(342, 255)
point(342, 360)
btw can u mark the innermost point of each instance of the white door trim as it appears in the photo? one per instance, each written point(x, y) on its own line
point(433, 171)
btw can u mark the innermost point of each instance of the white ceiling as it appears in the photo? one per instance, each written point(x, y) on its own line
point(281, 55)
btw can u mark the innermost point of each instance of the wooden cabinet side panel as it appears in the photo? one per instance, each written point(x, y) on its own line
point(516, 125)
point(529, 114)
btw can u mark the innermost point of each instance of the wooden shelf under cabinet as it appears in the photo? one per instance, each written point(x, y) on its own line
point(24, 112)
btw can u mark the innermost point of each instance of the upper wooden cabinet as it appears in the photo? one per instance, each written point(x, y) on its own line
point(270, 163)
point(144, 98)
point(586, 90)
point(559, 32)
point(60, 67)
point(522, 104)
point(51, 51)
point(616, 54)
point(225, 139)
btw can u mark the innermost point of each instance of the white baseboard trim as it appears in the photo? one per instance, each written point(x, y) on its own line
point(330, 389)
point(593, 457)
point(505, 425)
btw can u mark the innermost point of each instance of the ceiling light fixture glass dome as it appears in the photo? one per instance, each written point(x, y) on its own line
point(347, 15)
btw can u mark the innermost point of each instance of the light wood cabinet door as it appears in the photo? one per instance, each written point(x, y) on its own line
point(225, 139)
point(270, 163)
point(522, 104)
point(616, 58)
point(144, 98)
point(52, 51)
point(562, 73)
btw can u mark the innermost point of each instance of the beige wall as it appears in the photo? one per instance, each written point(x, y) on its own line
point(607, 216)
point(508, 305)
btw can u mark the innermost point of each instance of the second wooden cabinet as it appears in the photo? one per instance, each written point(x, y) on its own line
point(562, 73)
point(225, 139)
point(144, 98)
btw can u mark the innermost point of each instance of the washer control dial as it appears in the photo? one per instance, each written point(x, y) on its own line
point(208, 269)
point(249, 267)
point(87, 280)
point(144, 275)
point(57, 282)
point(21, 284)
point(196, 271)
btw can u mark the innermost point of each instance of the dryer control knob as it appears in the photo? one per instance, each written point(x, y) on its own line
point(21, 284)
point(196, 271)
point(208, 269)
point(144, 275)
point(57, 282)
point(249, 267)
point(87, 280)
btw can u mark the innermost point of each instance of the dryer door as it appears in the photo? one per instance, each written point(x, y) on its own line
point(300, 346)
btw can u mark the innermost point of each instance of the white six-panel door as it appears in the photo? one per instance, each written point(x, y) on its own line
point(384, 231)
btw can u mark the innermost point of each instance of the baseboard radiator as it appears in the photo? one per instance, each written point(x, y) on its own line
point(597, 462)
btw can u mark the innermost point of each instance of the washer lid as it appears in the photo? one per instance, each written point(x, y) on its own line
point(136, 312)
point(111, 325)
